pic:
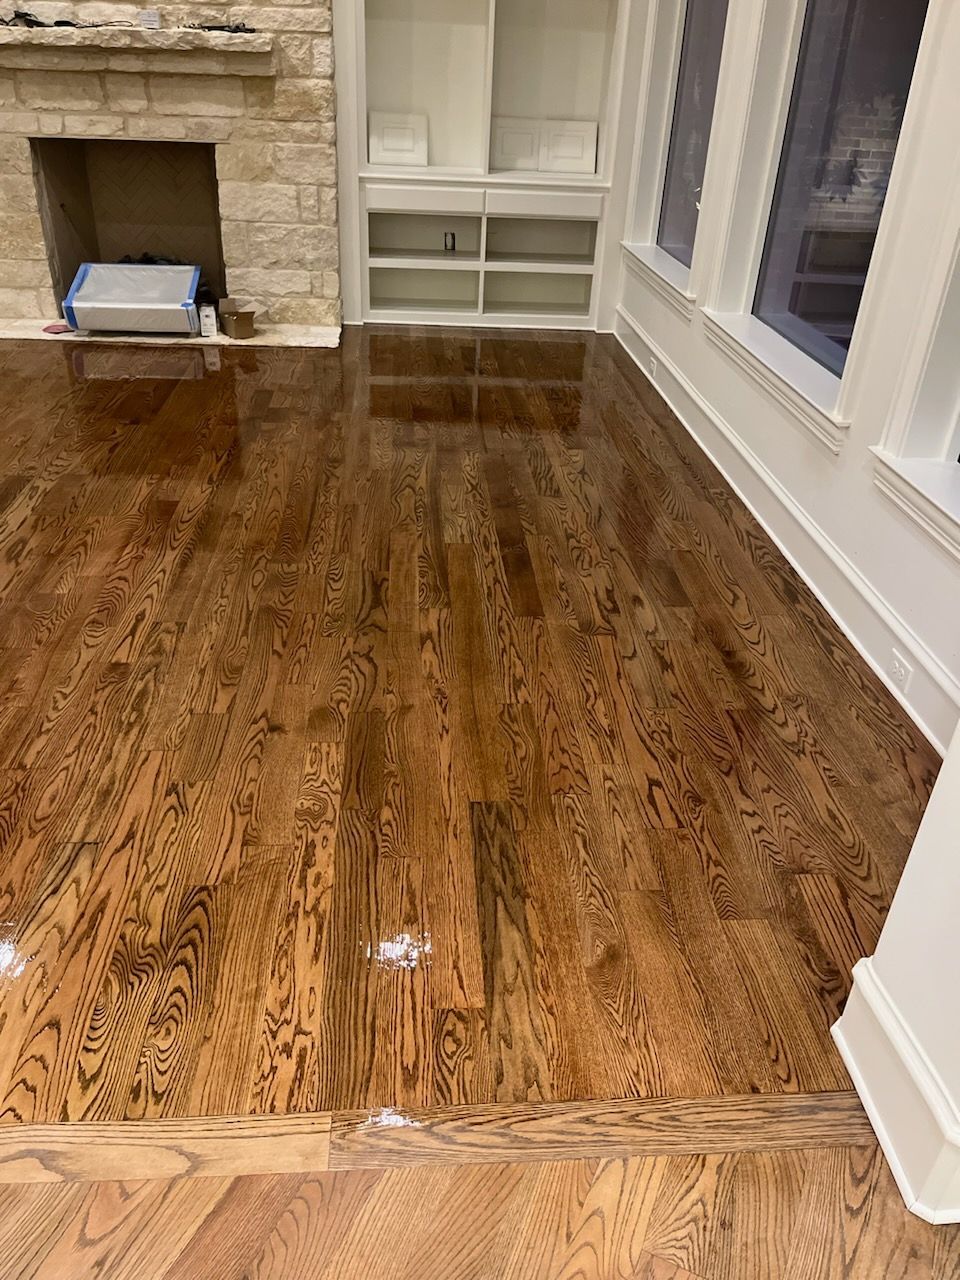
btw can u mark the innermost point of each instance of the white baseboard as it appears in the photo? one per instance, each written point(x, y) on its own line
point(916, 1122)
point(933, 699)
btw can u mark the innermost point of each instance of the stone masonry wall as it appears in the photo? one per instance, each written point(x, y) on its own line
point(275, 137)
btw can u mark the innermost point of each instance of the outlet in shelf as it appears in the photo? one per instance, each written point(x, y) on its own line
point(653, 367)
point(900, 670)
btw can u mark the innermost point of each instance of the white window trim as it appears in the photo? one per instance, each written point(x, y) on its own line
point(658, 88)
point(925, 489)
point(667, 277)
point(915, 462)
point(788, 376)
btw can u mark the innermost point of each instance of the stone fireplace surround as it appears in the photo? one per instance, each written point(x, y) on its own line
point(266, 101)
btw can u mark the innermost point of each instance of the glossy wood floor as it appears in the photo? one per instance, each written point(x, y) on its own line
point(419, 726)
point(797, 1215)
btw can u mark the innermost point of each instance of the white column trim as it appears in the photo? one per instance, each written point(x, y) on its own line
point(916, 1121)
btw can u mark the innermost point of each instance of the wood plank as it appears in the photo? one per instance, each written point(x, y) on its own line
point(556, 1131)
point(134, 1151)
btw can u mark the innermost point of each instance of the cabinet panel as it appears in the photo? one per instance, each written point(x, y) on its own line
point(545, 204)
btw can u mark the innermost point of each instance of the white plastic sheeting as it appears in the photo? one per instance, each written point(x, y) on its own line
point(133, 298)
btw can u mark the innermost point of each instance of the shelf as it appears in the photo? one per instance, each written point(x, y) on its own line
point(426, 261)
point(495, 178)
point(544, 265)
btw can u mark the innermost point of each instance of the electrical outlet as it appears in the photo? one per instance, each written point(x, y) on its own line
point(653, 367)
point(900, 670)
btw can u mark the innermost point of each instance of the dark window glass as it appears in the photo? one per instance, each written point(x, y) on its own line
point(692, 119)
point(854, 71)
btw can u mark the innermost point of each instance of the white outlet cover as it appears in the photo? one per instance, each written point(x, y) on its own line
point(901, 671)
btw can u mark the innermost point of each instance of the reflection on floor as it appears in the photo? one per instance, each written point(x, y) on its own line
point(419, 725)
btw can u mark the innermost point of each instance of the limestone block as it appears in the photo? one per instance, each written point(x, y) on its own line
point(18, 121)
point(15, 155)
point(328, 206)
point(98, 126)
point(329, 284)
point(312, 17)
point(245, 162)
point(22, 304)
point(309, 204)
point(50, 122)
point(18, 195)
point(125, 92)
point(290, 99)
point(210, 130)
point(307, 164)
point(323, 311)
point(235, 241)
point(312, 247)
point(195, 95)
point(295, 55)
point(258, 202)
point(323, 57)
point(156, 128)
point(59, 90)
point(266, 284)
point(19, 273)
point(22, 237)
point(8, 90)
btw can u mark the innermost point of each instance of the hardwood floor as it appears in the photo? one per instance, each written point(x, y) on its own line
point(422, 726)
point(786, 1215)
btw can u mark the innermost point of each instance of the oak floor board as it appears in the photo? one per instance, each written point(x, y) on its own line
point(798, 1215)
point(555, 1131)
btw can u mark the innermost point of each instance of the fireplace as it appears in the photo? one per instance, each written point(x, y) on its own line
point(106, 201)
point(210, 146)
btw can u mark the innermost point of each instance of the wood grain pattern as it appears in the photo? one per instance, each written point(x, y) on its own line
point(793, 1215)
point(420, 724)
point(137, 1151)
point(564, 1131)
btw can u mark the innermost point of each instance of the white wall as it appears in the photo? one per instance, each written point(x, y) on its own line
point(809, 474)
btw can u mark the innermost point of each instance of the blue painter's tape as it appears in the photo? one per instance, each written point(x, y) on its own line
point(68, 312)
point(192, 291)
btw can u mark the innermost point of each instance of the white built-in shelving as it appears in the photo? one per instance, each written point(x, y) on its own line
point(527, 241)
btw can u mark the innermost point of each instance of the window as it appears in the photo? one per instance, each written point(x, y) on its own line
point(855, 66)
point(692, 120)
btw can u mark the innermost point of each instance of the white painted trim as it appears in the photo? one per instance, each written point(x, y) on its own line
point(655, 267)
point(731, 335)
point(916, 1121)
point(862, 614)
point(901, 480)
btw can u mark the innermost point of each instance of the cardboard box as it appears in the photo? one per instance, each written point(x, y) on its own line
point(237, 317)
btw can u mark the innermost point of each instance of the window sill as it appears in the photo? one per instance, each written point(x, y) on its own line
point(786, 374)
point(926, 490)
point(667, 277)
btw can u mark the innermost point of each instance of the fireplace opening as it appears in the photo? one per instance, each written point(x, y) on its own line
point(104, 201)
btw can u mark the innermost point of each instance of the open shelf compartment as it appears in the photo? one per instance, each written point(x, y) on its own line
point(560, 241)
point(552, 62)
point(416, 289)
point(428, 57)
point(421, 236)
point(536, 293)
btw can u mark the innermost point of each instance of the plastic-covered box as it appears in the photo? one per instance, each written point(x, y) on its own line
point(133, 298)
